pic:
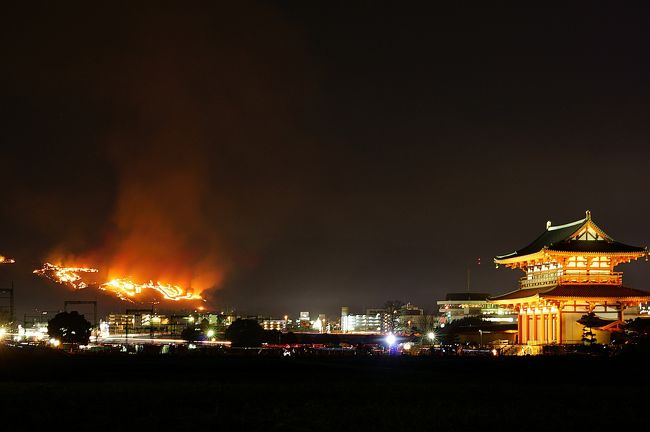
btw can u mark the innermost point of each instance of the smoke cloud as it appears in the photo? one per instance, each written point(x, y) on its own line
point(191, 161)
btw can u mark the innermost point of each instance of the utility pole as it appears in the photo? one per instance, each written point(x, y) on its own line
point(478, 263)
point(11, 302)
point(7, 294)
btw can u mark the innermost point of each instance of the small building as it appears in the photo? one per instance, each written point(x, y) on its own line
point(568, 273)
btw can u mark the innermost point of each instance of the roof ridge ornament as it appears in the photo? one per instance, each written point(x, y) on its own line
point(588, 215)
point(548, 224)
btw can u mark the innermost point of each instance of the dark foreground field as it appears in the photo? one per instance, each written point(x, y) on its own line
point(313, 394)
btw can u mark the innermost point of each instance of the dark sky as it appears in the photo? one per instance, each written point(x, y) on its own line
point(310, 156)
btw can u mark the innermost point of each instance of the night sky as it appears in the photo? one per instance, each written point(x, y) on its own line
point(300, 156)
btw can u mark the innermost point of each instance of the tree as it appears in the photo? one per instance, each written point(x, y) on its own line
point(588, 336)
point(289, 338)
point(392, 308)
point(469, 321)
point(245, 333)
point(69, 327)
point(637, 331)
point(427, 324)
point(589, 321)
point(449, 335)
point(204, 325)
point(191, 334)
point(272, 336)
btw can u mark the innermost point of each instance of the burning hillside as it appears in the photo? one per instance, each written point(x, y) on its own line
point(69, 276)
point(124, 288)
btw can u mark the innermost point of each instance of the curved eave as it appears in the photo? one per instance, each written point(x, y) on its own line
point(638, 254)
point(634, 299)
point(506, 259)
point(508, 301)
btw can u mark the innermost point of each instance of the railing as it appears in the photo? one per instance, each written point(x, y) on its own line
point(614, 278)
point(552, 278)
point(539, 280)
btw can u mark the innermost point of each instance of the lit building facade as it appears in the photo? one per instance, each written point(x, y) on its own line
point(456, 306)
point(408, 317)
point(568, 273)
point(135, 322)
point(373, 321)
point(273, 324)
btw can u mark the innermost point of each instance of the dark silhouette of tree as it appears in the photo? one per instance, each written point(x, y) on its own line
point(588, 336)
point(426, 324)
point(192, 334)
point(69, 327)
point(204, 325)
point(449, 334)
point(589, 321)
point(449, 337)
point(470, 321)
point(637, 331)
point(245, 333)
point(272, 336)
point(392, 308)
point(289, 338)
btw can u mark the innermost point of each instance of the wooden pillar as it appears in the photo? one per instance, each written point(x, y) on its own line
point(526, 326)
point(544, 337)
point(519, 327)
point(553, 327)
point(535, 325)
point(559, 324)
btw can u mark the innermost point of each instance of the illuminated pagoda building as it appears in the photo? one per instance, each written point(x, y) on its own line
point(569, 272)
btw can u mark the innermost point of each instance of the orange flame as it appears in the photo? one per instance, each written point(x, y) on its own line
point(65, 275)
point(5, 260)
point(125, 288)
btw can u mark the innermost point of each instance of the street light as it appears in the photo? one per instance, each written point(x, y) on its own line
point(390, 340)
point(431, 336)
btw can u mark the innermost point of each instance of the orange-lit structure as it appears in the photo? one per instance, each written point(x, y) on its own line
point(569, 272)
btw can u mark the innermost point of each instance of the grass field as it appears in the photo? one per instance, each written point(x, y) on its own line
point(317, 394)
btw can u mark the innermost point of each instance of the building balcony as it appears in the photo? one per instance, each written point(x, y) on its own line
point(539, 280)
point(614, 278)
point(553, 278)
